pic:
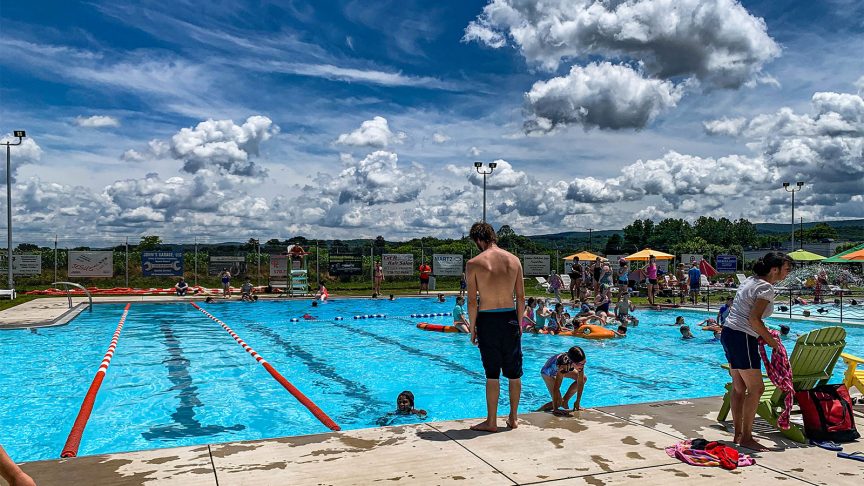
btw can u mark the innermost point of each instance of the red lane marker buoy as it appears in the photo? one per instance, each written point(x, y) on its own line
point(73, 441)
point(303, 399)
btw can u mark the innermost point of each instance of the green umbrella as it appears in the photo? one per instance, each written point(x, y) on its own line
point(837, 258)
point(805, 256)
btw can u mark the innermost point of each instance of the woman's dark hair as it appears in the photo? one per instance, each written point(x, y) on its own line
point(771, 260)
point(622, 329)
point(484, 232)
point(576, 354)
point(407, 394)
point(531, 301)
point(784, 329)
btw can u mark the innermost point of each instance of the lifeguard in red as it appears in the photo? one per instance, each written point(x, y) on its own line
point(425, 270)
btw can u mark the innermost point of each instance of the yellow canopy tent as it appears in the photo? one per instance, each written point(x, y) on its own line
point(583, 256)
point(641, 256)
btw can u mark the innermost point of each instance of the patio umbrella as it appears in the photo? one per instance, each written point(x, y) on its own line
point(583, 256)
point(805, 256)
point(855, 255)
point(643, 255)
point(841, 257)
point(707, 269)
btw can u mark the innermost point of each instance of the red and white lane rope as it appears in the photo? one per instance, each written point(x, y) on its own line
point(74, 439)
point(303, 399)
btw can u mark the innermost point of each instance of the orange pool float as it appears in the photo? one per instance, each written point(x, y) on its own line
point(588, 331)
point(436, 327)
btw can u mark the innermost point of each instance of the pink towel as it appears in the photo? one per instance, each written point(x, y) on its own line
point(779, 371)
point(696, 457)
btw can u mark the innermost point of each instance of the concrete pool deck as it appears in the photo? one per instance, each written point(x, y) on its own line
point(604, 446)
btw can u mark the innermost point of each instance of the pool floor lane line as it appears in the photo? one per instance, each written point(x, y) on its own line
point(184, 422)
point(366, 400)
point(73, 441)
point(303, 399)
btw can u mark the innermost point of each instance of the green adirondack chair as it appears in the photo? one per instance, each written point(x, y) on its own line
point(812, 360)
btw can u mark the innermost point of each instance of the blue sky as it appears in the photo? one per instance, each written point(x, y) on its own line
point(354, 119)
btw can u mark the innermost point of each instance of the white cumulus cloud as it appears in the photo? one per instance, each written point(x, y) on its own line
point(97, 121)
point(221, 145)
point(440, 138)
point(717, 41)
point(603, 95)
point(373, 133)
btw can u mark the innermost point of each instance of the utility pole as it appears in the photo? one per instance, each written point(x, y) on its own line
point(196, 261)
point(55, 258)
point(793, 190)
point(801, 234)
point(20, 134)
point(127, 262)
point(590, 240)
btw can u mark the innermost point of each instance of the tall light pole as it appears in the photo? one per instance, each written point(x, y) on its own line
point(481, 170)
point(20, 135)
point(793, 190)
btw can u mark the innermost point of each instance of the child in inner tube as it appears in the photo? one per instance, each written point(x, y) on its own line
point(404, 406)
point(559, 366)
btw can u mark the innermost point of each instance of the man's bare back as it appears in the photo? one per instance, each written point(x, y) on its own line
point(494, 324)
point(496, 274)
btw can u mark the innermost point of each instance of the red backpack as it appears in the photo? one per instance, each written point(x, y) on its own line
point(827, 412)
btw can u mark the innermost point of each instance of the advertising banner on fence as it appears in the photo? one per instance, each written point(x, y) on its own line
point(162, 263)
point(279, 266)
point(234, 264)
point(91, 263)
point(346, 264)
point(727, 263)
point(688, 258)
point(447, 265)
point(397, 264)
point(25, 264)
point(535, 265)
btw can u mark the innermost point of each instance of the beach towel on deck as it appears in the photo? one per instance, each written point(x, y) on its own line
point(715, 455)
point(779, 371)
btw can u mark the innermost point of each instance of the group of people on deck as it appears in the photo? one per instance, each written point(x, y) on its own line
point(497, 317)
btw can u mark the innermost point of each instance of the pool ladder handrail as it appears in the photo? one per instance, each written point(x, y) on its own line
point(69, 296)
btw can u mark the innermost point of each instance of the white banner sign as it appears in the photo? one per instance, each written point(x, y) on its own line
point(91, 263)
point(279, 266)
point(26, 264)
point(397, 264)
point(688, 258)
point(533, 265)
point(447, 265)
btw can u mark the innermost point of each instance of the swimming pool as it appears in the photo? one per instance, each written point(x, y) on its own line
point(178, 378)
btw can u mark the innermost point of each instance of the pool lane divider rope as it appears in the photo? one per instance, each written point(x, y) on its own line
point(73, 441)
point(303, 399)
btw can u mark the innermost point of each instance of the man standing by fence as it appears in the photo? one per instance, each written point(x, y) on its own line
point(497, 276)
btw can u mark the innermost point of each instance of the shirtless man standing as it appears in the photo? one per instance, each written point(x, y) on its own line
point(494, 321)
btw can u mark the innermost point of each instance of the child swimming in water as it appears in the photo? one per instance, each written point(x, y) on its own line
point(404, 406)
point(685, 332)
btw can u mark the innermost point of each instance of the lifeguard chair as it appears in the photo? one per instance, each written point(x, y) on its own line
point(298, 271)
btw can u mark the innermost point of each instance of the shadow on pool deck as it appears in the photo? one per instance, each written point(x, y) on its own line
point(606, 446)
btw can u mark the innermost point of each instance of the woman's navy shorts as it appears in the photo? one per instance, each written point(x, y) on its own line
point(742, 349)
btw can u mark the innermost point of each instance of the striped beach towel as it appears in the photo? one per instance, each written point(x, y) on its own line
point(779, 371)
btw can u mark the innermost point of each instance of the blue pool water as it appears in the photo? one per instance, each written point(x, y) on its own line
point(178, 378)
